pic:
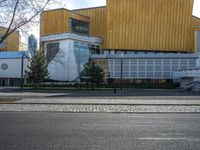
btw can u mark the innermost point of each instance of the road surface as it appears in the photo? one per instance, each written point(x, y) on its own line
point(68, 131)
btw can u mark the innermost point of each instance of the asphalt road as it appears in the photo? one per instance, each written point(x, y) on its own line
point(64, 131)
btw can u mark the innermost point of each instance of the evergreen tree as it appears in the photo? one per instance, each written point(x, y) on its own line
point(94, 72)
point(37, 70)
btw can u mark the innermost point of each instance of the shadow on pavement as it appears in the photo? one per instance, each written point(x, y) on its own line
point(122, 93)
point(128, 94)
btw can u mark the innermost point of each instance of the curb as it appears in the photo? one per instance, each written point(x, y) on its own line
point(100, 104)
point(84, 112)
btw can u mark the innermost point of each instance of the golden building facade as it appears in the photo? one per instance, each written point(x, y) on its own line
point(12, 42)
point(130, 39)
point(98, 24)
point(57, 21)
point(133, 25)
point(163, 25)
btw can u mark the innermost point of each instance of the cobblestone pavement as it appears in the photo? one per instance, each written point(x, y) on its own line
point(101, 108)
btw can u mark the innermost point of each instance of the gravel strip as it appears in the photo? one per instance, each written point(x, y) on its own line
point(99, 108)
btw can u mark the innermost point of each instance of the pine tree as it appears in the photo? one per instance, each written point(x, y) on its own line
point(37, 70)
point(94, 72)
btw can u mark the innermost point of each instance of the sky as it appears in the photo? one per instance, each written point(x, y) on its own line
point(76, 4)
point(196, 9)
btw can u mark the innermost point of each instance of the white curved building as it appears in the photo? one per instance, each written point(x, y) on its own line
point(11, 67)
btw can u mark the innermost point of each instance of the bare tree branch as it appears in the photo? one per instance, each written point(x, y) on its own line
point(20, 14)
point(23, 23)
point(11, 22)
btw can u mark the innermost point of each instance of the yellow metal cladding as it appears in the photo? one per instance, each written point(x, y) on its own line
point(97, 21)
point(164, 25)
point(57, 21)
point(51, 22)
point(12, 42)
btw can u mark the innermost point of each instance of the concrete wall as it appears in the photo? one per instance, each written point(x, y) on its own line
point(13, 69)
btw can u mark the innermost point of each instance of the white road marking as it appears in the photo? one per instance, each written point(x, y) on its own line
point(169, 138)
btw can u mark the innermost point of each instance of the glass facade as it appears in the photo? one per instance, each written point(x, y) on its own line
point(82, 54)
point(94, 49)
point(52, 50)
point(78, 26)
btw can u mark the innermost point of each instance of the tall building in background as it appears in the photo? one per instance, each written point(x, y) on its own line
point(131, 39)
point(32, 44)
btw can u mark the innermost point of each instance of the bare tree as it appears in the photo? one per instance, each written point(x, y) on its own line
point(20, 14)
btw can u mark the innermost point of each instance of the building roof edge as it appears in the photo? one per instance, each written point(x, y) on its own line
point(196, 17)
point(89, 8)
point(65, 10)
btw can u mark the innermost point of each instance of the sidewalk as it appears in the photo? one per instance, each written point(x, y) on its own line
point(156, 100)
point(143, 101)
point(106, 105)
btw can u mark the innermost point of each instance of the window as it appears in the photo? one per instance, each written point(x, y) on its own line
point(81, 55)
point(94, 49)
point(78, 26)
point(52, 50)
point(3, 50)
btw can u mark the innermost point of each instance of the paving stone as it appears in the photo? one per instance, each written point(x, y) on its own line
point(101, 108)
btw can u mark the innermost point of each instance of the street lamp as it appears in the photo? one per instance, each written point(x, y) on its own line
point(121, 75)
point(22, 71)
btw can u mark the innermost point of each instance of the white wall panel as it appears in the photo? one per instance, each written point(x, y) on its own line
point(14, 68)
point(63, 67)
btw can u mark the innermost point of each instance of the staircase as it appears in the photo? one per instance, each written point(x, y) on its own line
point(192, 86)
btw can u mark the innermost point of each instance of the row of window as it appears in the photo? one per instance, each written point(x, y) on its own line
point(139, 68)
point(1, 50)
point(137, 52)
point(82, 51)
point(94, 49)
point(78, 26)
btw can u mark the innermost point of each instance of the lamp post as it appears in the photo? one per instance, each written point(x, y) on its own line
point(121, 75)
point(22, 71)
point(114, 86)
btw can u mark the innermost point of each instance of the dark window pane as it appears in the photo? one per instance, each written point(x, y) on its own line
point(52, 50)
point(78, 26)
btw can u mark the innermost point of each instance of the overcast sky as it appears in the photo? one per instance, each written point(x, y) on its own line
point(196, 10)
point(76, 4)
